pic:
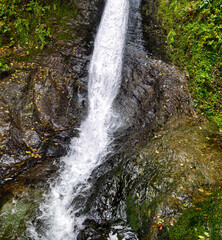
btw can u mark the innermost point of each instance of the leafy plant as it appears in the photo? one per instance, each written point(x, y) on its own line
point(203, 221)
point(27, 25)
point(194, 42)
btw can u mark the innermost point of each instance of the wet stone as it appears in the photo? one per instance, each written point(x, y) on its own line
point(39, 102)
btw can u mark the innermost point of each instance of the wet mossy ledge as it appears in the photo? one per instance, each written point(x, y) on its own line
point(188, 33)
point(202, 221)
point(176, 189)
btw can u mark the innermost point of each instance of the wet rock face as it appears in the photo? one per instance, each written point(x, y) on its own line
point(152, 91)
point(154, 34)
point(44, 100)
point(152, 94)
point(148, 190)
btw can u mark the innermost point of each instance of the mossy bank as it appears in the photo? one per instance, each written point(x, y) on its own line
point(188, 33)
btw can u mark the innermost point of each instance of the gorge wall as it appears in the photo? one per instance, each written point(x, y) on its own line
point(166, 159)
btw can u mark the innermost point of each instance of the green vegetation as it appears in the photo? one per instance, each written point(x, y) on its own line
point(193, 31)
point(27, 26)
point(17, 211)
point(140, 214)
point(203, 221)
point(135, 218)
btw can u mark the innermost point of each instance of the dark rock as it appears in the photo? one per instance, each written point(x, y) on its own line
point(152, 91)
point(93, 231)
point(154, 34)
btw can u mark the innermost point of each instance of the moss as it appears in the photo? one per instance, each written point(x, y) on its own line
point(203, 221)
point(192, 34)
point(28, 27)
point(133, 215)
point(181, 168)
point(140, 214)
point(15, 213)
point(64, 36)
point(12, 217)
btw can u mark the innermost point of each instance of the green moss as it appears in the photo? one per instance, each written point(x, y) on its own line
point(133, 215)
point(15, 213)
point(64, 36)
point(194, 36)
point(27, 27)
point(203, 221)
point(140, 214)
point(12, 217)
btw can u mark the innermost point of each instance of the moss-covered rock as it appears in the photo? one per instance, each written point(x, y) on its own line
point(202, 221)
point(178, 169)
point(16, 212)
point(188, 34)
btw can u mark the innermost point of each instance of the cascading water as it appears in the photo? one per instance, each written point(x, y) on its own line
point(58, 216)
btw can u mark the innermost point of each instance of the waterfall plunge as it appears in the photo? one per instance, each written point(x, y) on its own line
point(90, 148)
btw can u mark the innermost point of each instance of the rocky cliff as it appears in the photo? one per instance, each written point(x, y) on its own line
point(165, 158)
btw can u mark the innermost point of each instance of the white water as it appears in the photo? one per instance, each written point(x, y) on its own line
point(89, 150)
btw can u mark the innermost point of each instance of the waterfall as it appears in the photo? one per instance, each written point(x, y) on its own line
point(59, 217)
